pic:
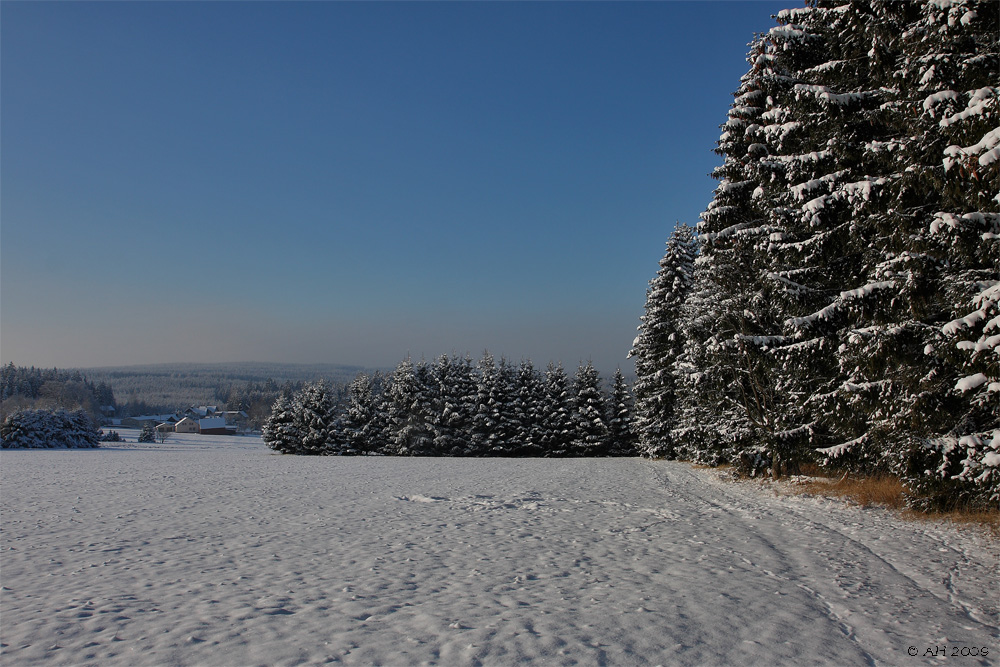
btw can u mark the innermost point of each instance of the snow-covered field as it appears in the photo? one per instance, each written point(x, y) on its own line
point(214, 551)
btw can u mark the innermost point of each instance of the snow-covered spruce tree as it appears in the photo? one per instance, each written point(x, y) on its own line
point(452, 405)
point(313, 409)
point(699, 434)
point(280, 431)
point(148, 433)
point(774, 256)
point(502, 440)
point(822, 194)
point(919, 221)
point(484, 418)
point(726, 363)
point(422, 411)
point(876, 286)
point(621, 435)
point(589, 414)
point(443, 411)
point(465, 395)
point(961, 466)
point(377, 426)
point(48, 429)
point(397, 407)
point(658, 344)
point(407, 410)
point(952, 178)
point(557, 433)
point(361, 422)
point(529, 393)
point(80, 429)
point(819, 244)
point(787, 237)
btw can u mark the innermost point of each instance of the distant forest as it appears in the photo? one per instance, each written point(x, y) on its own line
point(25, 388)
point(165, 388)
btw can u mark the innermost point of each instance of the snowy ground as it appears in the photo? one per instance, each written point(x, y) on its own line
point(214, 551)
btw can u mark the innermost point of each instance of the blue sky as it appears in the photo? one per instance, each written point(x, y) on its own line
point(350, 182)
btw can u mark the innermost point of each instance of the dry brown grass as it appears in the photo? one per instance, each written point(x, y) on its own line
point(888, 491)
point(885, 491)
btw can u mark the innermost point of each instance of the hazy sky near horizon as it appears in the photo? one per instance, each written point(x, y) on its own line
point(350, 182)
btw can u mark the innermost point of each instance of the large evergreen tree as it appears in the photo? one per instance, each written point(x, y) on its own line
point(529, 394)
point(621, 433)
point(315, 419)
point(589, 413)
point(557, 433)
point(484, 411)
point(659, 343)
point(852, 232)
point(452, 405)
point(279, 431)
point(361, 423)
point(949, 189)
point(704, 412)
point(403, 425)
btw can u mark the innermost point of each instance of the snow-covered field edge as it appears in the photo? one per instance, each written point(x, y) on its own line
point(212, 550)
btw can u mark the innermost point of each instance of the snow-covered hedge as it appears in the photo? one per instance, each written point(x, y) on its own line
point(48, 429)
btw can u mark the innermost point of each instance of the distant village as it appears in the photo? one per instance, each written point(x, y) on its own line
point(202, 419)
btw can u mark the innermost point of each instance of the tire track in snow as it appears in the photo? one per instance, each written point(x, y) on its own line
point(790, 575)
point(941, 621)
point(951, 597)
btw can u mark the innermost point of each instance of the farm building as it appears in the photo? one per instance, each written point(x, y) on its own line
point(214, 426)
point(187, 425)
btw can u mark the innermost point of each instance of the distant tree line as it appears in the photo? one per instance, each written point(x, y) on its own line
point(840, 302)
point(28, 388)
point(452, 407)
point(147, 392)
point(251, 387)
point(253, 397)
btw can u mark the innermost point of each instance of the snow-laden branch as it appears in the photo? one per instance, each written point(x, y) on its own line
point(824, 94)
point(831, 309)
point(983, 219)
point(988, 147)
point(843, 448)
point(795, 287)
point(980, 102)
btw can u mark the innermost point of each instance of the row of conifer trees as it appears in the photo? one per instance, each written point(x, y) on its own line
point(454, 408)
point(838, 302)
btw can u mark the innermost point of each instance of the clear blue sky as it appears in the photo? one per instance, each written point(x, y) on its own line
point(350, 182)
